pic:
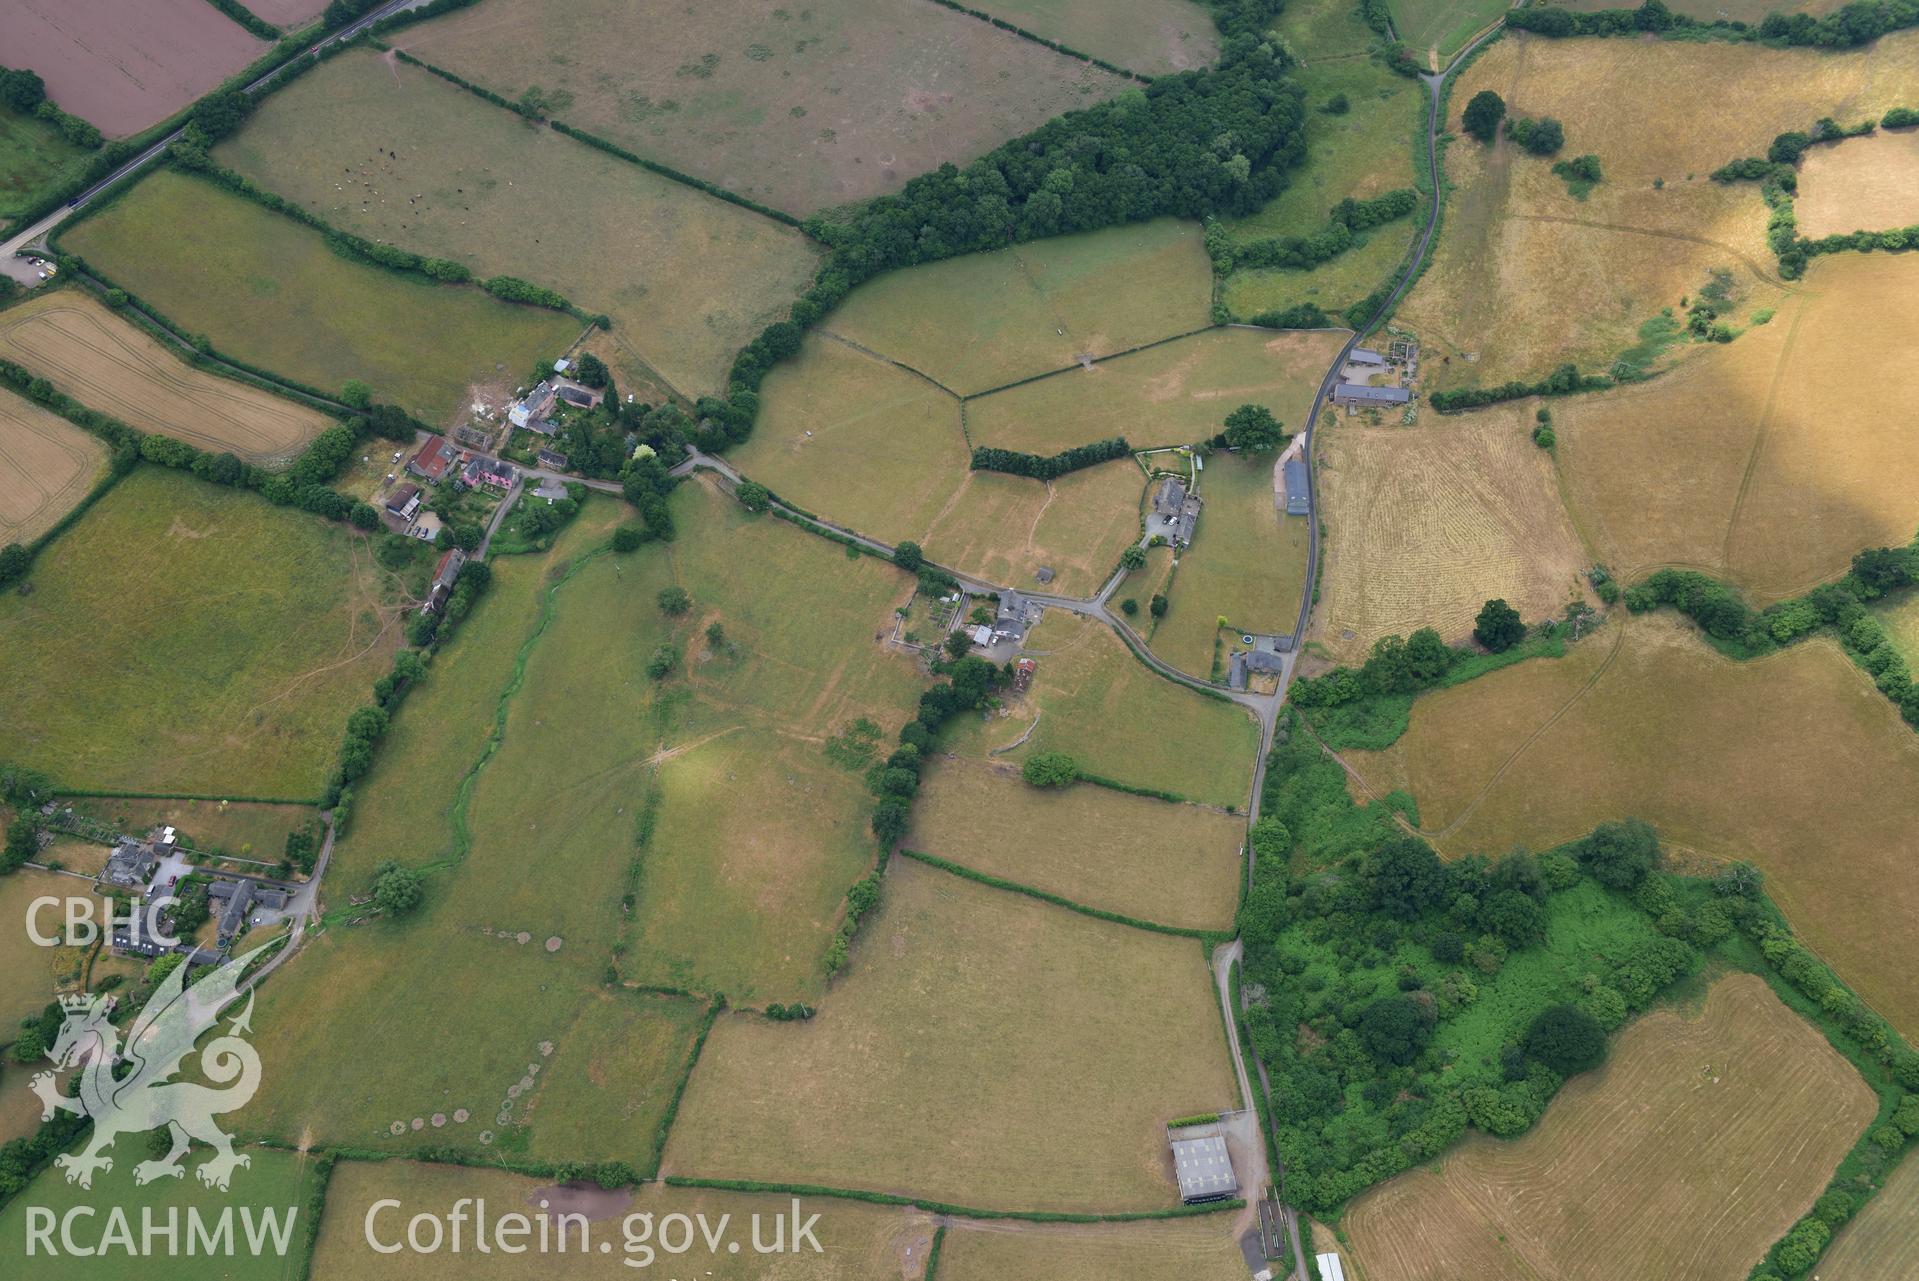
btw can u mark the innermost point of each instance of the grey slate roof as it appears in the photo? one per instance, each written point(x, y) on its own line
point(1299, 497)
point(1360, 394)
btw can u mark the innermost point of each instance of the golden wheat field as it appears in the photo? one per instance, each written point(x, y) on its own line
point(1425, 524)
point(1145, 858)
point(1642, 718)
point(1880, 1245)
point(1775, 459)
point(109, 364)
point(46, 467)
point(1691, 1151)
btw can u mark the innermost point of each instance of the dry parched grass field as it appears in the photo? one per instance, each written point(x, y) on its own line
point(1143, 858)
point(1011, 1055)
point(125, 67)
point(1425, 525)
point(108, 363)
point(1880, 1244)
point(985, 320)
point(799, 107)
point(1201, 1249)
point(1793, 761)
point(1178, 393)
point(47, 465)
point(1699, 1142)
point(1527, 277)
point(1862, 184)
point(1776, 461)
point(857, 1242)
point(1094, 701)
point(393, 153)
point(267, 290)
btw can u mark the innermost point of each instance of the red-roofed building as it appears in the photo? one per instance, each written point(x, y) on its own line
point(432, 460)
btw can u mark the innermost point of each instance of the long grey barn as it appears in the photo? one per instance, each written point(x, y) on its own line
point(1299, 494)
point(1361, 394)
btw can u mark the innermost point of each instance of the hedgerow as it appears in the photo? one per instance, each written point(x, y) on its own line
point(1051, 467)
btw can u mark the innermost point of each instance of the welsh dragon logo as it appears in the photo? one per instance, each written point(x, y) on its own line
point(127, 1091)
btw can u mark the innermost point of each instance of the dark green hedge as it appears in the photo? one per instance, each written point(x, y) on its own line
point(1039, 467)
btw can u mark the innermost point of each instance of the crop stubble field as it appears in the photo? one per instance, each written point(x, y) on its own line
point(802, 108)
point(395, 154)
point(125, 67)
point(1151, 37)
point(1777, 462)
point(1880, 1244)
point(1143, 858)
point(1425, 524)
point(46, 467)
point(1120, 1016)
point(224, 638)
point(1648, 721)
point(1688, 1153)
point(267, 290)
point(1861, 184)
point(108, 363)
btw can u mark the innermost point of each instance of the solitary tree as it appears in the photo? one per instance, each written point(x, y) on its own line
point(1498, 626)
point(397, 890)
point(1253, 429)
point(909, 557)
point(1050, 769)
point(753, 496)
point(1158, 606)
point(356, 393)
point(1483, 115)
point(628, 538)
point(957, 643)
point(674, 601)
point(1133, 557)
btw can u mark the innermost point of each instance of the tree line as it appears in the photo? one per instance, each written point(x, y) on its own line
point(1049, 467)
point(1201, 143)
point(1298, 253)
point(1839, 607)
point(1563, 381)
point(1858, 23)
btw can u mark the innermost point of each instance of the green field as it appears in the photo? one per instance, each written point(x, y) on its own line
point(1440, 29)
point(247, 831)
point(1902, 624)
point(985, 320)
point(711, 783)
point(1091, 699)
point(1177, 393)
point(1362, 152)
point(265, 289)
point(1315, 31)
point(1151, 37)
point(865, 444)
point(982, 1048)
point(34, 159)
point(34, 974)
point(183, 637)
point(395, 154)
point(275, 1182)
